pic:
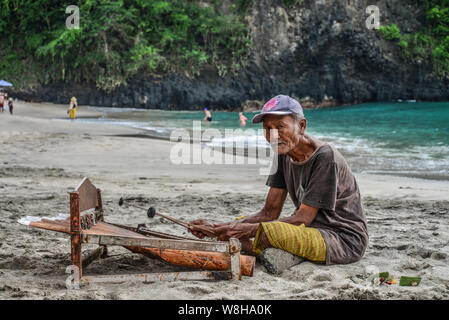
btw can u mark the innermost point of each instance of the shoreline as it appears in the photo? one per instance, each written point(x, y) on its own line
point(245, 106)
point(58, 117)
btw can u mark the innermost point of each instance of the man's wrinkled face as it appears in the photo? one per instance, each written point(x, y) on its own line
point(282, 130)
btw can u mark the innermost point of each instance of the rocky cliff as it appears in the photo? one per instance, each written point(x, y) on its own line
point(320, 52)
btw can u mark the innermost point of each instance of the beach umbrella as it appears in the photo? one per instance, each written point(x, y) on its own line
point(4, 83)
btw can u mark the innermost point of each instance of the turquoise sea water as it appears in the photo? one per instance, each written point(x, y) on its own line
point(410, 139)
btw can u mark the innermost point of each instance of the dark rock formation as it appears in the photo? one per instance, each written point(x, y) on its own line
point(319, 52)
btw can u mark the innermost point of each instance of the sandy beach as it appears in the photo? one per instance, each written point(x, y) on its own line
point(42, 159)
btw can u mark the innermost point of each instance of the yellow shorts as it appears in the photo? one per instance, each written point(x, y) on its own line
point(72, 113)
point(298, 240)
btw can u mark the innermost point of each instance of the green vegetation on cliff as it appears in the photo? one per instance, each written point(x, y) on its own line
point(121, 38)
point(241, 6)
point(431, 43)
point(116, 39)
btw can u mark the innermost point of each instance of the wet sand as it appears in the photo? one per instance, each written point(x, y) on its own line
point(41, 160)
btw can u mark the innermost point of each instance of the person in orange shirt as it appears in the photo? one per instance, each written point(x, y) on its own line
point(242, 119)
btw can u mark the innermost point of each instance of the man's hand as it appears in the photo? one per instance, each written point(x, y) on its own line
point(197, 233)
point(236, 230)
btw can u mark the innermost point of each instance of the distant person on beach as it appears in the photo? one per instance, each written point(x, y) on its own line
point(6, 101)
point(328, 225)
point(11, 105)
point(242, 119)
point(72, 108)
point(2, 101)
point(208, 115)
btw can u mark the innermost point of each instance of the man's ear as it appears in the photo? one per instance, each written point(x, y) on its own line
point(302, 126)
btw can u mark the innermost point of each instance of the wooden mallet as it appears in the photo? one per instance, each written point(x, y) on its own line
point(151, 212)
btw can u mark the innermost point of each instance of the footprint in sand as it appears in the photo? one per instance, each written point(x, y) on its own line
point(416, 266)
point(438, 256)
point(324, 276)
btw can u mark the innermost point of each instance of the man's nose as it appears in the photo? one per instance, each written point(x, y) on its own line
point(274, 135)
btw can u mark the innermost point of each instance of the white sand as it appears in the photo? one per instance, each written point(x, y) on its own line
point(41, 160)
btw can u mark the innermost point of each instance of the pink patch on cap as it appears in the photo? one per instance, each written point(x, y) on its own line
point(270, 104)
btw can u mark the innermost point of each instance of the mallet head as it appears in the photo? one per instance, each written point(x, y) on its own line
point(151, 212)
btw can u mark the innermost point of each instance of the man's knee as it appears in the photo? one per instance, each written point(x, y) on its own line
point(264, 241)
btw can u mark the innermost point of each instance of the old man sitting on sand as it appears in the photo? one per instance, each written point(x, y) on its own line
point(328, 225)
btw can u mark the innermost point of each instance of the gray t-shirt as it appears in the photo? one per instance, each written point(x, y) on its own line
point(326, 182)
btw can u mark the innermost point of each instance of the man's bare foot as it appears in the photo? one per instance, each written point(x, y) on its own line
point(277, 260)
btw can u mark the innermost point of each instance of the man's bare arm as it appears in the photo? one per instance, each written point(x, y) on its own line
point(247, 228)
point(305, 214)
point(272, 208)
point(271, 211)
